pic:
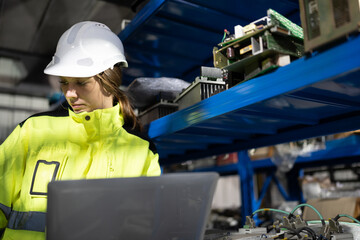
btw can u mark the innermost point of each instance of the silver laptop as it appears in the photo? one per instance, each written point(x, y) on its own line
point(173, 206)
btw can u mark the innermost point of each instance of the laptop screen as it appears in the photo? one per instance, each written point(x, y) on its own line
point(171, 206)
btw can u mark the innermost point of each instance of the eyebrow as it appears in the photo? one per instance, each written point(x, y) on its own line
point(74, 78)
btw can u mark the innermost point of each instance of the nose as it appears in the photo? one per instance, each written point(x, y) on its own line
point(70, 91)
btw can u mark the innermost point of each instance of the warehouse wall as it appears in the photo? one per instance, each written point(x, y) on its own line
point(16, 108)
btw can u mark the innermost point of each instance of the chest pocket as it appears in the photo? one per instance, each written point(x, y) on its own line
point(44, 173)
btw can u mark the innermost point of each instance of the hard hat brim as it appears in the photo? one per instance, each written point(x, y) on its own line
point(76, 70)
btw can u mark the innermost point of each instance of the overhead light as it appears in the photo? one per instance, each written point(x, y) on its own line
point(124, 23)
point(12, 71)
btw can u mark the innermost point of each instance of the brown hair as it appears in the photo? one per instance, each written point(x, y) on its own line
point(110, 80)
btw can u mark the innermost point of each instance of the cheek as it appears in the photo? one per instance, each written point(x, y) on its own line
point(96, 93)
point(92, 96)
point(86, 91)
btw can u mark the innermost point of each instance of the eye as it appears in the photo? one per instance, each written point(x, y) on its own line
point(81, 83)
point(63, 82)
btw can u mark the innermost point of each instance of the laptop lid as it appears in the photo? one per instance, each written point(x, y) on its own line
point(172, 206)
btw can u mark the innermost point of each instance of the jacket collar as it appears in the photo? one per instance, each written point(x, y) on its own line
point(105, 115)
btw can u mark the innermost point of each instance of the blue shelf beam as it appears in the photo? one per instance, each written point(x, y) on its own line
point(313, 96)
point(271, 116)
point(345, 148)
point(246, 174)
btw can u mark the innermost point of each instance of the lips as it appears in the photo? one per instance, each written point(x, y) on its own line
point(77, 107)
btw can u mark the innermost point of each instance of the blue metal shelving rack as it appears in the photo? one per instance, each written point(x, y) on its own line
point(310, 97)
point(313, 96)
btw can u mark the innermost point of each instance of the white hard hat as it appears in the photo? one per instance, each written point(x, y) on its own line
point(86, 49)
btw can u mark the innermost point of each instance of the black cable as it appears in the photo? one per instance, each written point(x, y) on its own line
point(269, 228)
point(307, 230)
point(295, 232)
point(322, 238)
point(313, 237)
point(292, 235)
point(290, 216)
point(310, 231)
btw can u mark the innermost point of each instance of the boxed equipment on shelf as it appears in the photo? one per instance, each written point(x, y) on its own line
point(199, 90)
point(326, 21)
point(209, 83)
point(156, 111)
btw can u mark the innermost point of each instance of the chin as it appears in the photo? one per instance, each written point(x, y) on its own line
point(80, 111)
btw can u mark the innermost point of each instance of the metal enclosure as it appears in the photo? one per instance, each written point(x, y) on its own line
point(158, 110)
point(198, 91)
point(325, 21)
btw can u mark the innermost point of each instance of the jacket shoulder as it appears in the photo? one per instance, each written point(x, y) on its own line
point(59, 111)
point(143, 136)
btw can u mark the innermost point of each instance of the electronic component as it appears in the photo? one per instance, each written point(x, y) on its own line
point(156, 111)
point(326, 21)
point(211, 73)
point(199, 90)
point(265, 38)
point(210, 82)
point(293, 227)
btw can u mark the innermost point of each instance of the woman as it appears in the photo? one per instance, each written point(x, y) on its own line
point(97, 136)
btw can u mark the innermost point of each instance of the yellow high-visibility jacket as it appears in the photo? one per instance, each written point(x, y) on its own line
point(62, 145)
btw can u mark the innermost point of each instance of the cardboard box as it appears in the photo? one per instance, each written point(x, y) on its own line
point(228, 158)
point(330, 208)
point(345, 134)
point(261, 153)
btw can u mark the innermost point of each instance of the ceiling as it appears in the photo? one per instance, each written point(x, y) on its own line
point(166, 38)
point(30, 29)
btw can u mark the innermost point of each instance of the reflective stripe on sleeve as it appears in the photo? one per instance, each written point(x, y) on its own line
point(31, 221)
point(6, 210)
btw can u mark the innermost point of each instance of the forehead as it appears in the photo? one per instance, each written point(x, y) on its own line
point(75, 79)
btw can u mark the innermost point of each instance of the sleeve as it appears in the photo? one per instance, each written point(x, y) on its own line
point(12, 161)
point(152, 162)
